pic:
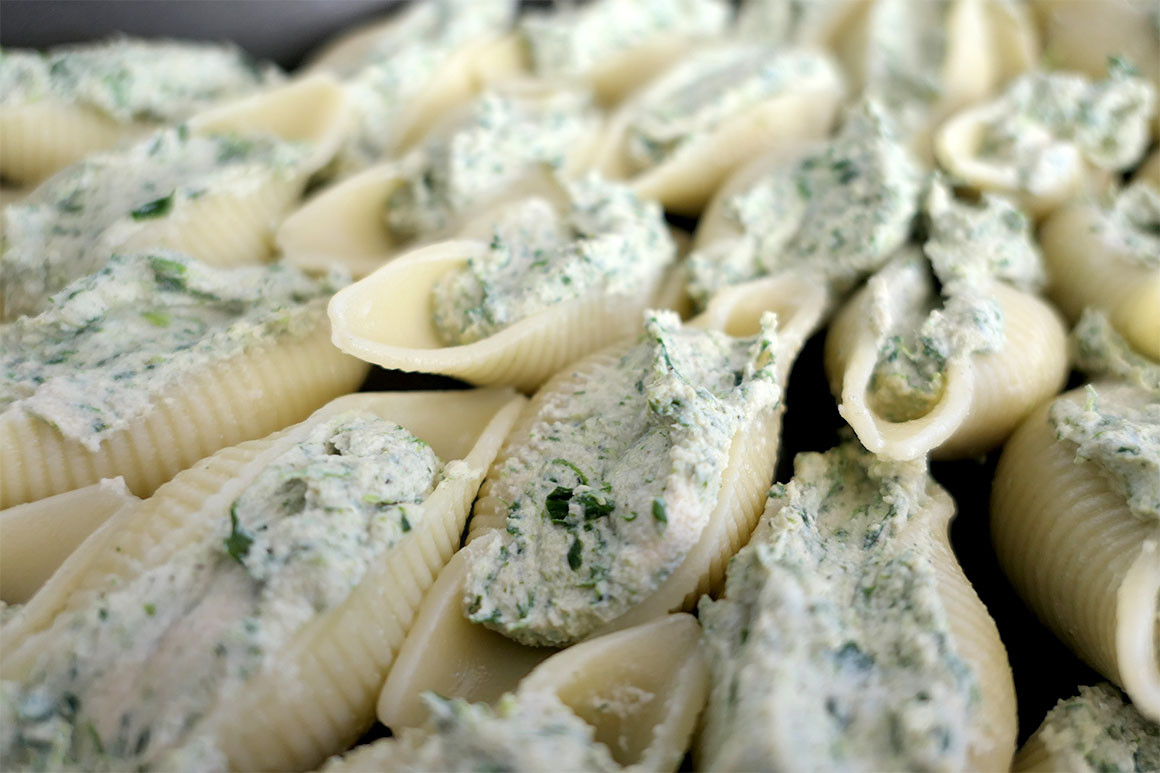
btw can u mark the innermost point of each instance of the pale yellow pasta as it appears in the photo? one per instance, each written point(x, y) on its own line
point(1087, 566)
point(985, 395)
point(244, 397)
point(1084, 35)
point(1089, 263)
point(686, 179)
point(345, 225)
point(315, 694)
point(35, 538)
point(12, 196)
point(486, 663)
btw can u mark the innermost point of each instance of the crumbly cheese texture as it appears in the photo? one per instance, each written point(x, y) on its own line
point(127, 79)
point(839, 212)
point(616, 480)
point(69, 225)
point(1131, 224)
point(1098, 350)
point(1045, 119)
point(707, 89)
point(786, 22)
point(522, 734)
point(921, 329)
point(573, 41)
point(1120, 434)
point(831, 649)
point(1099, 730)
point(504, 138)
point(132, 679)
point(403, 62)
point(109, 344)
point(608, 241)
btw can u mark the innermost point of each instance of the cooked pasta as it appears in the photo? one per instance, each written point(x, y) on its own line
point(1083, 36)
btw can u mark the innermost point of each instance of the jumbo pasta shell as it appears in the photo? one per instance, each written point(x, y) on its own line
point(685, 181)
point(244, 397)
point(1082, 37)
point(1095, 576)
point(1088, 270)
point(985, 397)
point(486, 663)
point(386, 319)
point(339, 658)
point(39, 536)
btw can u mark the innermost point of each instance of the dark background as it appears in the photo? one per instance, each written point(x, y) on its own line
point(285, 30)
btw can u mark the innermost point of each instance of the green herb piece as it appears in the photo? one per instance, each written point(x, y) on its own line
point(593, 508)
point(150, 609)
point(556, 504)
point(156, 208)
point(158, 318)
point(574, 560)
point(579, 475)
point(406, 524)
point(239, 541)
point(658, 510)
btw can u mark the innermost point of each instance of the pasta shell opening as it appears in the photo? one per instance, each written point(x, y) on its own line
point(1138, 631)
point(42, 138)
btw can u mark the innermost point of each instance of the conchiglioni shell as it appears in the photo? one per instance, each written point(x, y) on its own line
point(1086, 565)
point(486, 663)
point(1034, 757)
point(240, 398)
point(1086, 269)
point(317, 694)
point(35, 538)
point(43, 137)
point(1082, 36)
point(621, 74)
point(685, 181)
point(985, 397)
point(386, 319)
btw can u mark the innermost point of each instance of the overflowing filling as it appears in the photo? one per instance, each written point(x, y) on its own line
point(1131, 222)
point(1098, 350)
point(616, 479)
point(831, 648)
point(1100, 730)
point(606, 241)
point(133, 677)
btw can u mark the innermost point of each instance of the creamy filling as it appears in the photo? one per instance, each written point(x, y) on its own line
point(1120, 434)
point(607, 241)
point(616, 480)
point(840, 211)
point(133, 679)
point(831, 649)
point(1097, 349)
point(69, 225)
point(1131, 222)
point(1045, 118)
point(155, 81)
point(786, 22)
point(504, 138)
point(703, 92)
point(572, 42)
point(905, 51)
point(1100, 730)
point(111, 342)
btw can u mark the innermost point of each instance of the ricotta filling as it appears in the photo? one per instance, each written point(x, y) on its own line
point(504, 138)
point(712, 86)
point(132, 679)
point(403, 62)
point(840, 211)
point(607, 242)
point(1045, 119)
point(1121, 436)
point(786, 22)
point(920, 329)
point(905, 54)
point(125, 79)
point(574, 41)
point(616, 480)
point(108, 344)
point(1100, 730)
point(69, 225)
point(1131, 222)
point(1097, 349)
point(831, 649)
point(532, 731)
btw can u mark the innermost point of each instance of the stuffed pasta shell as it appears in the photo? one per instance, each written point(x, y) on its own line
point(244, 616)
point(684, 132)
point(610, 703)
point(473, 160)
point(1105, 253)
point(1093, 731)
point(546, 279)
point(1082, 36)
point(1078, 489)
point(155, 361)
point(1051, 136)
point(951, 370)
point(620, 495)
point(848, 637)
point(213, 188)
point(837, 210)
point(59, 106)
point(406, 72)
